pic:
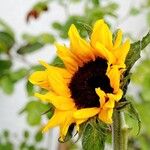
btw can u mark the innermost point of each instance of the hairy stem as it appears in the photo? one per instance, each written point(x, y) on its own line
point(119, 131)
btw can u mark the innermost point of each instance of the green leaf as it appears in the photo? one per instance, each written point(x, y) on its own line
point(6, 42)
point(143, 109)
point(29, 38)
point(122, 105)
point(57, 62)
point(125, 82)
point(135, 50)
point(148, 18)
point(111, 7)
point(37, 68)
point(5, 65)
point(7, 85)
point(134, 11)
point(19, 74)
point(31, 147)
point(76, 1)
point(39, 136)
point(47, 38)
point(71, 20)
point(145, 94)
point(22, 145)
point(86, 27)
point(6, 133)
point(7, 146)
point(33, 118)
point(30, 88)
point(49, 113)
point(96, 2)
point(142, 71)
point(29, 48)
point(94, 137)
point(40, 6)
point(34, 110)
point(44, 38)
point(57, 25)
point(26, 134)
point(6, 28)
point(133, 113)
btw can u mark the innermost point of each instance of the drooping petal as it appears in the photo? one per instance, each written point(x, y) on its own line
point(114, 77)
point(106, 115)
point(56, 120)
point(121, 52)
point(101, 95)
point(60, 118)
point(86, 113)
point(60, 102)
point(116, 97)
point(118, 40)
point(110, 103)
point(103, 52)
point(101, 34)
point(68, 58)
point(79, 46)
point(40, 78)
point(78, 122)
point(65, 126)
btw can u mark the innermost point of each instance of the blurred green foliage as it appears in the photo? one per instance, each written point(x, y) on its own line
point(11, 50)
point(34, 110)
point(8, 141)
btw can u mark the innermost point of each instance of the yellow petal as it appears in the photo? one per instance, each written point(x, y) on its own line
point(86, 113)
point(101, 34)
point(118, 39)
point(60, 102)
point(121, 52)
point(56, 120)
point(106, 115)
point(40, 78)
point(65, 126)
point(110, 103)
point(114, 76)
point(67, 57)
point(79, 46)
point(102, 52)
point(78, 122)
point(58, 83)
point(63, 72)
point(101, 95)
point(116, 97)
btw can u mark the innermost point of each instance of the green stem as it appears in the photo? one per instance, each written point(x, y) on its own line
point(119, 131)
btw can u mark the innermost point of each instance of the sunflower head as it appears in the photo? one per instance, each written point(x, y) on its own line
point(89, 85)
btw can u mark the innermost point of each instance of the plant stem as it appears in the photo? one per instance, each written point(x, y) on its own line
point(119, 131)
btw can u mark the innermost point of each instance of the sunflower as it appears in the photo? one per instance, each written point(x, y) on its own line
point(89, 85)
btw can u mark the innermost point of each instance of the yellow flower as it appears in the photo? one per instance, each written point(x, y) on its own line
point(89, 85)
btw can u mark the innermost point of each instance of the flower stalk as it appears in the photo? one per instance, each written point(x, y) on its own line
point(119, 131)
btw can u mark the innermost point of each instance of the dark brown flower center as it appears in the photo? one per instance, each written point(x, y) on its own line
point(82, 86)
